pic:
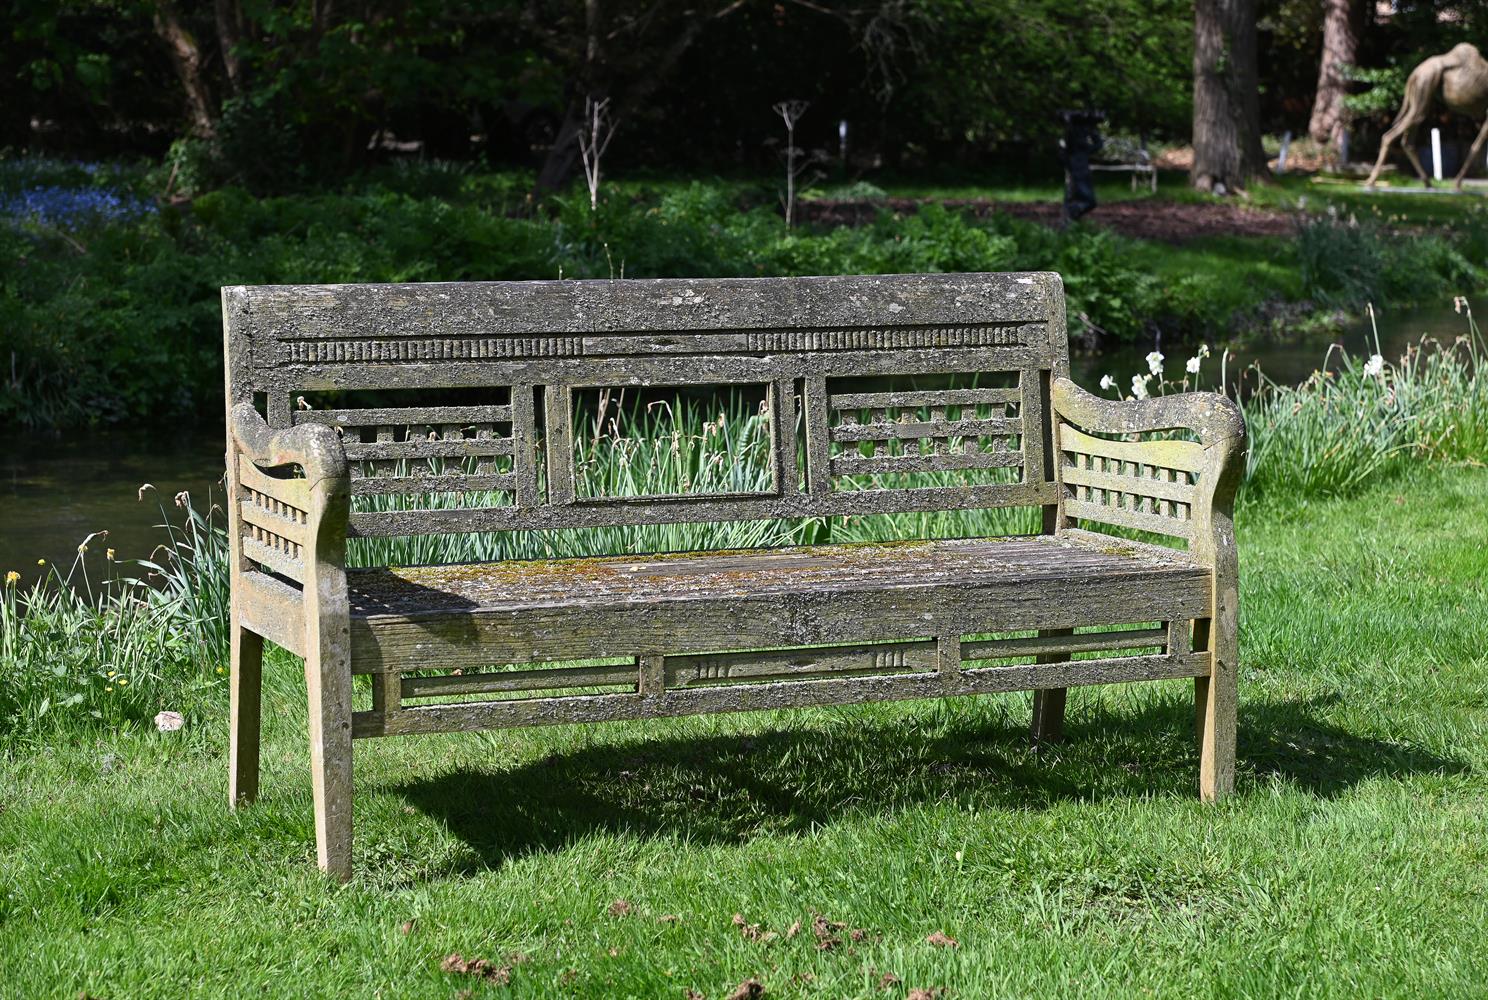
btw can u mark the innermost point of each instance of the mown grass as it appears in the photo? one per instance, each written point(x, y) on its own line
point(1350, 862)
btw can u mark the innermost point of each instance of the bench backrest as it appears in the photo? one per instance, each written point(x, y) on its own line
point(493, 370)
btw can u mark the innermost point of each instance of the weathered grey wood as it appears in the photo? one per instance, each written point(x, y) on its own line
point(371, 451)
point(720, 631)
point(501, 482)
point(701, 700)
point(908, 430)
point(272, 609)
point(916, 399)
point(854, 465)
point(405, 415)
point(1064, 641)
point(762, 666)
point(553, 678)
point(610, 511)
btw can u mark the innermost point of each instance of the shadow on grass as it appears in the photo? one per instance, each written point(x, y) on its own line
point(730, 789)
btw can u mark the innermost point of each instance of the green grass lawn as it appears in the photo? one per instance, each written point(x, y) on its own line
point(1353, 860)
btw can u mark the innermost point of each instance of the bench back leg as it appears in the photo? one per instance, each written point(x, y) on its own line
point(246, 683)
point(328, 681)
point(1048, 704)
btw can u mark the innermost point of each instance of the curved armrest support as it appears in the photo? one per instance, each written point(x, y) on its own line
point(1215, 419)
point(314, 447)
point(316, 555)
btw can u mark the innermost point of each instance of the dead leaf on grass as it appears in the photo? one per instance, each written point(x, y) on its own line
point(749, 989)
point(942, 940)
point(456, 964)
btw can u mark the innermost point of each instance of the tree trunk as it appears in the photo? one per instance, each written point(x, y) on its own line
point(229, 15)
point(1340, 47)
point(187, 57)
point(1227, 114)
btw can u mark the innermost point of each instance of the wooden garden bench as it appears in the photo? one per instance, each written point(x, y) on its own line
point(905, 393)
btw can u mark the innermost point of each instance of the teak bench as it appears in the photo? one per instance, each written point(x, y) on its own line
point(906, 393)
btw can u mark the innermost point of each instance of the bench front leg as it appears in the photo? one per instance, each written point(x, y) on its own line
point(1219, 426)
point(317, 507)
point(328, 683)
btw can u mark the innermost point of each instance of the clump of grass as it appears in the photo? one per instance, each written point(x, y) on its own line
point(1353, 423)
point(118, 649)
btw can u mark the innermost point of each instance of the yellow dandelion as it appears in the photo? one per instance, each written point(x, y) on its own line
point(41, 562)
point(112, 672)
point(123, 681)
point(109, 688)
point(221, 671)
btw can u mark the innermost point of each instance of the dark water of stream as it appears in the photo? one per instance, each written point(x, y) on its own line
point(55, 490)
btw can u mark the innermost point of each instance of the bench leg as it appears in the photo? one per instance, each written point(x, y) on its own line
point(1048, 715)
point(246, 690)
point(1048, 704)
point(1215, 703)
point(328, 678)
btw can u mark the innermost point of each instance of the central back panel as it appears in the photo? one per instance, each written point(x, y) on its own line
point(457, 402)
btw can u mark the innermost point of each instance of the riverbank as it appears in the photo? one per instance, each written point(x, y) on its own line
point(599, 861)
point(110, 308)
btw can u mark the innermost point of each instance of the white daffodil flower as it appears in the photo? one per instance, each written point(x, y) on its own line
point(1155, 363)
point(1374, 367)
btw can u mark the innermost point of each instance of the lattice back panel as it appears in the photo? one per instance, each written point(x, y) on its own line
point(927, 431)
point(422, 450)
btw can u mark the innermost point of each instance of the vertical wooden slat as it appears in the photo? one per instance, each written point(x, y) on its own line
point(1048, 704)
point(524, 446)
point(279, 409)
point(818, 445)
point(782, 403)
point(558, 408)
point(948, 661)
point(387, 692)
point(1037, 448)
point(652, 675)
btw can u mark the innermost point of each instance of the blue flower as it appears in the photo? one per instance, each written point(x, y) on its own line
point(70, 208)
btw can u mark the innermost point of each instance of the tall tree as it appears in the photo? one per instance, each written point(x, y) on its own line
point(1341, 22)
point(1226, 112)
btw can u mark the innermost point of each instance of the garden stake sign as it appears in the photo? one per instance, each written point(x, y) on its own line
point(455, 408)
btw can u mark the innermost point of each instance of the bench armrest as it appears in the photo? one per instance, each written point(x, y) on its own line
point(314, 447)
point(293, 526)
point(1154, 475)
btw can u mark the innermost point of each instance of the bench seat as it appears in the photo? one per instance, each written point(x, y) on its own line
point(483, 613)
point(762, 627)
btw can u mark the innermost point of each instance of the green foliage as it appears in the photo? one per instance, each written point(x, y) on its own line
point(1353, 262)
point(1386, 89)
